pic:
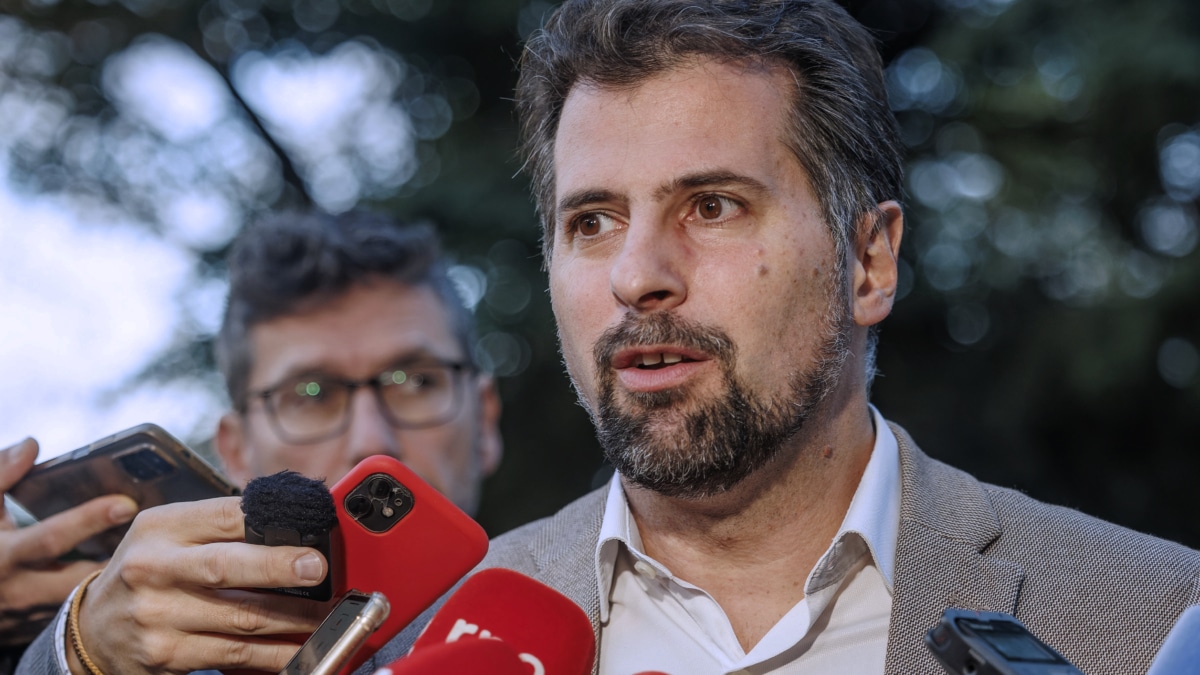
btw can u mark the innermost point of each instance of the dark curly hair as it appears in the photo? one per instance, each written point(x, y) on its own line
point(288, 261)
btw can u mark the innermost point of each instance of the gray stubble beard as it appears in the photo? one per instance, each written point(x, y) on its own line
point(718, 443)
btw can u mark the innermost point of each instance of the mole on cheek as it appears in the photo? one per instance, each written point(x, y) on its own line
point(762, 269)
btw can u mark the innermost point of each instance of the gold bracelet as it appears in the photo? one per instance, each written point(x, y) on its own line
point(73, 625)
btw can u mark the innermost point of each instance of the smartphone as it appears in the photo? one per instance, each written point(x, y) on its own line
point(399, 536)
point(144, 462)
point(339, 636)
point(967, 642)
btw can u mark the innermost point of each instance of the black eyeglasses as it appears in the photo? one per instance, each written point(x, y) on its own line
point(312, 408)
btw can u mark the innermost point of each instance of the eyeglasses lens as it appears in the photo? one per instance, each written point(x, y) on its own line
point(309, 409)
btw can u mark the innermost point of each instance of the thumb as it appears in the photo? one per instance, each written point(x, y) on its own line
point(15, 462)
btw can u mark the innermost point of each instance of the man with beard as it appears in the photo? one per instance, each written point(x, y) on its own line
point(716, 182)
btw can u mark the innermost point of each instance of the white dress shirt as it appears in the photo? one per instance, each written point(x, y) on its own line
point(654, 621)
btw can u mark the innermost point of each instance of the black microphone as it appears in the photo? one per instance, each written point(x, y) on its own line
point(1180, 653)
point(991, 643)
point(288, 509)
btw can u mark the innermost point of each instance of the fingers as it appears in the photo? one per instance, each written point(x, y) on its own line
point(241, 565)
point(178, 631)
point(62, 532)
point(215, 652)
point(15, 462)
point(26, 581)
point(187, 653)
point(253, 613)
point(200, 545)
point(208, 520)
point(209, 551)
point(173, 598)
point(24, 588)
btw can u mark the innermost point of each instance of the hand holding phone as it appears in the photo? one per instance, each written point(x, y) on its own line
point(399, 536)
point(340, 635)
point(32, 583)
point(173, 598)
point(144, 462)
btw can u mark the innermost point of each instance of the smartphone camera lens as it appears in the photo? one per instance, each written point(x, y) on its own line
point(380, 488)
point(358, 506)
point(144, 465)
point(379, 502)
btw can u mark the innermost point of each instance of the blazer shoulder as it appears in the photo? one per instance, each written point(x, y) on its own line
point(1102, 594)
point(1009, 524)
point(1061, 534)
point(526, 548)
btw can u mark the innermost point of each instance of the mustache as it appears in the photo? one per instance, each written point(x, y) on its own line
point(645, 330)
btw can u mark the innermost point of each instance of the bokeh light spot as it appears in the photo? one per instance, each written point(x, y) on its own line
point(502, 354)
point(968, 323)
point(1178, 362)
point(1169, 227)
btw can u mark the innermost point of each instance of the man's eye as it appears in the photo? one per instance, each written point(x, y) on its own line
point(414, 380)
point(310, 390)
point(306, 394)
point(592, 224)
point(715, 207)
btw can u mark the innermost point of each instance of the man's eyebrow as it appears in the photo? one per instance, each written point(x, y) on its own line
point(704, 179)
point(402, 359)
point(581, 198)
point(691, 181)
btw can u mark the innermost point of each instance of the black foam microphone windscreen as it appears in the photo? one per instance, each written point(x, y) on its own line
point(288, 509)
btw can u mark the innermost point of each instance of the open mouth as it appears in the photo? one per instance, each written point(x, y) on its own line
point(658, 360)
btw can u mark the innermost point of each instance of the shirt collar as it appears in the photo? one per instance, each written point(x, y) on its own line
point(874, 515)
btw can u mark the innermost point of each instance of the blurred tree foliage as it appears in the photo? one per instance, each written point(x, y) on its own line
point(1047, 335)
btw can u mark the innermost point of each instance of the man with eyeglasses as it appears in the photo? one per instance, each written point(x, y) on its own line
point(344, 338)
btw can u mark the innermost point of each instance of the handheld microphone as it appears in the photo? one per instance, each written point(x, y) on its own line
point(1180, 653)
point(549, 632)
point(972, 641)
point(288, 509)
point(465, 657)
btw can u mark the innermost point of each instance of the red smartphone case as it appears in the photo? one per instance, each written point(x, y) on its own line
point(416, 560)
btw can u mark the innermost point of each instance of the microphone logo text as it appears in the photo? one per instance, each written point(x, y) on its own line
point(462, 627)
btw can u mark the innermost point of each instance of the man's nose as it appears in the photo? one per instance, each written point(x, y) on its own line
point(369, 432)
point(647, 273)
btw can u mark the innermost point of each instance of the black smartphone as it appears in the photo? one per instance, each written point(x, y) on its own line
point(340, 635)
point(968, 642)
point(144, 462)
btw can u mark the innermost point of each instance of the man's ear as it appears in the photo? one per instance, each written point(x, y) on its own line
point(491, 445)
point(231, 447)
point(875, 264)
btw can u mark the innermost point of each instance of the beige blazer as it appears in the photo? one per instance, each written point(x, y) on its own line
point(1101, 594)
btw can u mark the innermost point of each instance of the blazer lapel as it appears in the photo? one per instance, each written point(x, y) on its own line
point(565, 555)
point(946, 525)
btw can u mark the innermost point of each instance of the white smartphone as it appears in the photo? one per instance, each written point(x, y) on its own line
point(340, 635)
